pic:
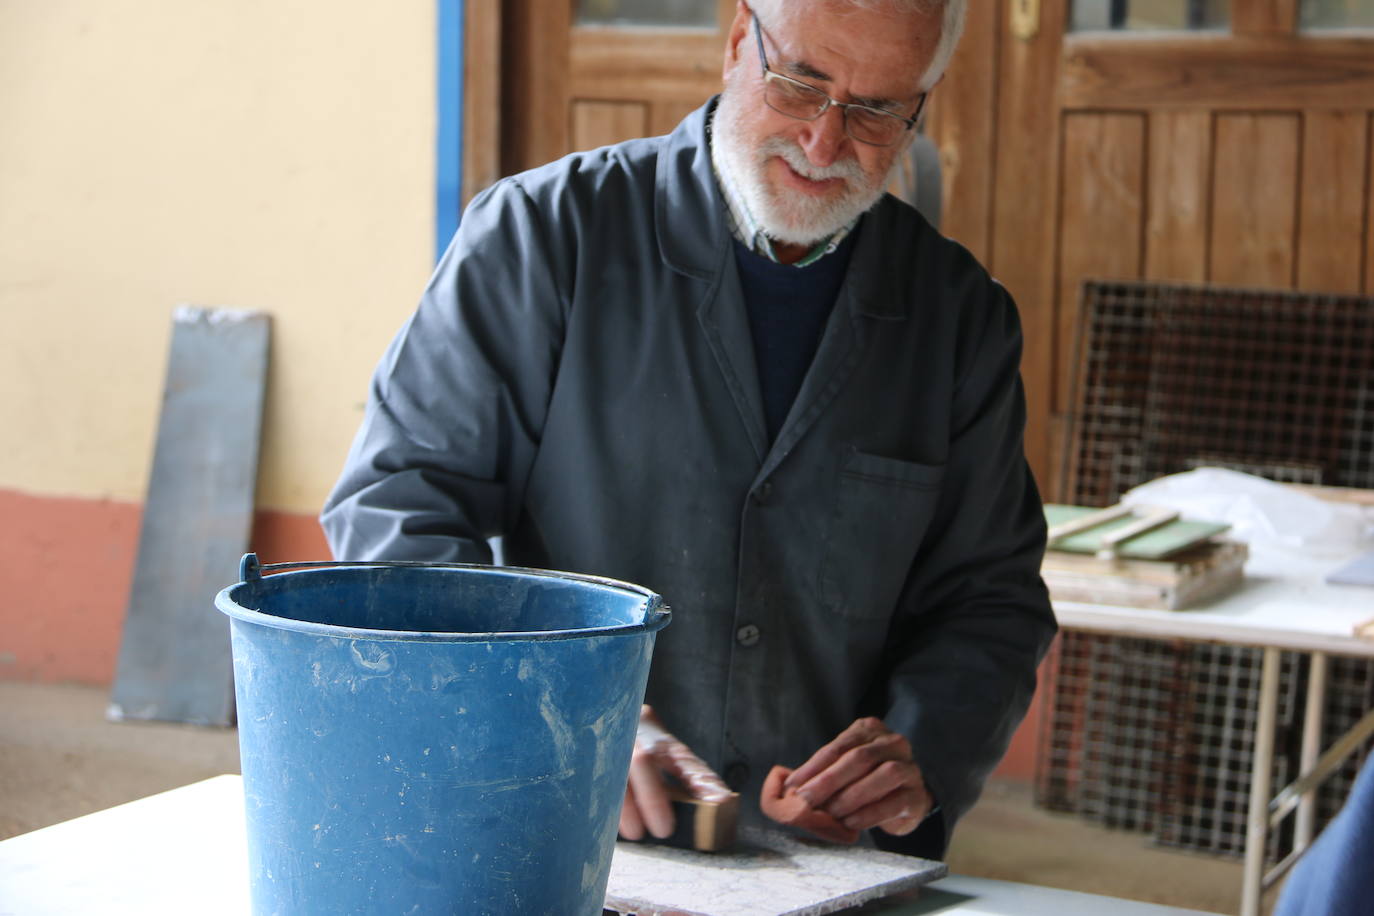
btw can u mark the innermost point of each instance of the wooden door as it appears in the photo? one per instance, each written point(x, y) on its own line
point(547, 78)
point(1239, 157)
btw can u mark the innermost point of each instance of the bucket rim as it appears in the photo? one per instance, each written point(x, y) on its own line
point(656, 613)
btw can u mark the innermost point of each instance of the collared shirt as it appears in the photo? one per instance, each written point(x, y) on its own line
point(745, 228)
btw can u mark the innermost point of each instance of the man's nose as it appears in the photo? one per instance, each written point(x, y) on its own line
point(823, 138)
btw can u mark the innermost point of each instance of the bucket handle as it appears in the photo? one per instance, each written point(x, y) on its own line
point(250, 570)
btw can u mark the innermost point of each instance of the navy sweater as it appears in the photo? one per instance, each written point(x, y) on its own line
point(788, 308)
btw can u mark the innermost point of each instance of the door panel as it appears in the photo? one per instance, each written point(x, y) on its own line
point(1254, 221)
point(1179, 204)
point(645, 64)
point(601, 123)
point(1264, 17)
point(1332, 221)
point(664, 115)
point(1105, 155)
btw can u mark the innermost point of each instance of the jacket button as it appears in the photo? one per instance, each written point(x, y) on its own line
point(747, 635)
point(737, 776)
point(763, 492)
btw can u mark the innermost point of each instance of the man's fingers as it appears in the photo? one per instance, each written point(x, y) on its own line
point(861, 731)
point(700, 781)
point(898, 813)
point(888, 778)
point(631, 824)
point(853, 765)
point(893, 797)
point(865, 778)
point(647, 806)
point(650, 796)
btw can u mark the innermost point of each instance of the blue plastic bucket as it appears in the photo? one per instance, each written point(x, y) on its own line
point(432, 738)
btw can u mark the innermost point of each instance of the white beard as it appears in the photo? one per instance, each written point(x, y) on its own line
point(790, 217)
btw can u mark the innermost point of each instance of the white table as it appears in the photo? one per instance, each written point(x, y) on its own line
point(960, 895)
point(1283, 606)
point(184, 851)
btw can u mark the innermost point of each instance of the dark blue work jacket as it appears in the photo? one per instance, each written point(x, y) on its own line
point(579, 377)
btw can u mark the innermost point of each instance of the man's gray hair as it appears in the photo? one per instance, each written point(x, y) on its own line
point(951, 23)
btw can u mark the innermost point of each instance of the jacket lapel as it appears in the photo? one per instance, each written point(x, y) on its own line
point(726, 326)
point(689, 220)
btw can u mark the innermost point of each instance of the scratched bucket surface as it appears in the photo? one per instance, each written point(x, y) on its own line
point(432, 738)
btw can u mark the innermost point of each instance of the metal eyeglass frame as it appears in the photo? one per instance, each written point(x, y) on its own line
point(770, 75)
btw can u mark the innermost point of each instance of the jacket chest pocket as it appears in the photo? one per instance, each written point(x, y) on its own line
point(882, 509)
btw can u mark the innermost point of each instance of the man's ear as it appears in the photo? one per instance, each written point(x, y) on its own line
point(739, 30)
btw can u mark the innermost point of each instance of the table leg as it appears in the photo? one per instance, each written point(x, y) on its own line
point(1257, 824)
point(1311, 747)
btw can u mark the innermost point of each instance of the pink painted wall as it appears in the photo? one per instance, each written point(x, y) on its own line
point(66, 566)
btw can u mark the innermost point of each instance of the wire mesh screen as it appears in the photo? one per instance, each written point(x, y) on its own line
point(1171, 377)
point(1153, 735)
point(1103, 754)
point(1157, 736)
point(1206, 786)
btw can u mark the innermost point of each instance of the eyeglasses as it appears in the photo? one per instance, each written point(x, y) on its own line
point(796, 99)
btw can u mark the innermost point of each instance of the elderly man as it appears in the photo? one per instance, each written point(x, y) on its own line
point(723, 364)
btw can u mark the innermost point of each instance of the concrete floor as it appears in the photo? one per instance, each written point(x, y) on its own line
point(60, 759)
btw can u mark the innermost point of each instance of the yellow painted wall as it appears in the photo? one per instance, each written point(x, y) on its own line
point(266, 154)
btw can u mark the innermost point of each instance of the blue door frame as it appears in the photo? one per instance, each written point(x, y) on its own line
point(448, 178)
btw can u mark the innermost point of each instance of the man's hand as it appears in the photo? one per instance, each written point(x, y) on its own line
point(646, 797)
point(865, 778)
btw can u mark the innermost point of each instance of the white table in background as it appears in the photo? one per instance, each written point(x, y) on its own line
point(1282, 606)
